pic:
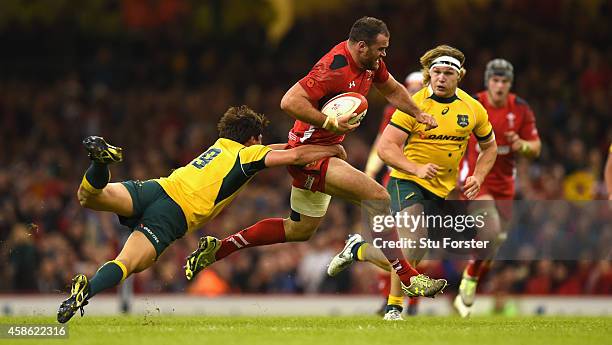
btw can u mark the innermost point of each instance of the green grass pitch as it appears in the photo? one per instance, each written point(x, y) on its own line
point(154, 330)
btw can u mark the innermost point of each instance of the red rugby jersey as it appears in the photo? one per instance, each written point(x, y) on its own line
point(516, 116)
point(335, 73)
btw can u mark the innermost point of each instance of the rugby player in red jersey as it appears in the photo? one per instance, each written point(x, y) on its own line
point(516, 134)
point(353, 65)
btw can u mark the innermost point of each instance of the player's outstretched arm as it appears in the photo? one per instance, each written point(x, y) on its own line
point(303, 155)
point(296, 103)
point(399, 97)
point(486, 159)
point(391, 150)
point(277, 146)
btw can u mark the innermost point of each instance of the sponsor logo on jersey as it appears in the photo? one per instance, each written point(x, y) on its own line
point(445, 137)
point(445, 110)
point(462, 120)
point(352, 84)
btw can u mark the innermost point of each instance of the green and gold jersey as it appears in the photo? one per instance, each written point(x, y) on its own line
point(211, 181)
point(445, 145)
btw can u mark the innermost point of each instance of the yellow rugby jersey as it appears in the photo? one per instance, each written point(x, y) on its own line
point(445, 145)
point(211, 181)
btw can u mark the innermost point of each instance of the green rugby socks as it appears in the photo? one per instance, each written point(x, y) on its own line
point(107, 276)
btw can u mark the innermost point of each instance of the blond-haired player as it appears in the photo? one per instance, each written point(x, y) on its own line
point(425, 162)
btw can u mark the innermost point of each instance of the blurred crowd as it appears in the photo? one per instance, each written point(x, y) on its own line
point(159, 95)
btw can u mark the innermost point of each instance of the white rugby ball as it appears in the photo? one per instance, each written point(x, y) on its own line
point(347, 103)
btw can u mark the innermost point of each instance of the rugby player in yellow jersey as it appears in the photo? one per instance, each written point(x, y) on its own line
point(162, 210)
point(425, 163)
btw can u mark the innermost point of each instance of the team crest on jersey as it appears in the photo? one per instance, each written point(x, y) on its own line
point(462, 120)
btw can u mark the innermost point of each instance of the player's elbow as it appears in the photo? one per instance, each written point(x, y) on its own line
point(489, 147)
point(383, 152)
point(298, 158)
point(286, 102)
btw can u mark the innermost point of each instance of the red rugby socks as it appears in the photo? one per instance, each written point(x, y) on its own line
point(478, 268)
point(395, 256)
point(267, 231)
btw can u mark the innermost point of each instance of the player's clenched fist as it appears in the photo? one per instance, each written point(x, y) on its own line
point(426, 119)
point(471, 187)
point(344, 125)
point(427, 171)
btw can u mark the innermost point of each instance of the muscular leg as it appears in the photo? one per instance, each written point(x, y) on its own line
point(96, 193)
point(114, 197)
point(413, 255)
point(300, 227)
point(342, 180)
point(348, 183)
point(137, 255)
point(269, 231)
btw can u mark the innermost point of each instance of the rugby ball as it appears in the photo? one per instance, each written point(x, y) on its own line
point(347, 103)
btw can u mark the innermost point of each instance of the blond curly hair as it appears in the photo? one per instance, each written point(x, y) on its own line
point(441, 50)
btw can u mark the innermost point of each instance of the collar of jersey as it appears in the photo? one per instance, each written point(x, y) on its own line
point(229, 143)
point(439, 99)
point(352, 62)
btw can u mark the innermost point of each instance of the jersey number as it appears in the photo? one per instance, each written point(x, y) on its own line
point(205, 158)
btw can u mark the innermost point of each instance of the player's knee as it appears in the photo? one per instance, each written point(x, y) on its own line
point(381, 195)
point(296, 232)
point(127, 262)
point(134, 264)
point(84, 198)
point(378, 201)
point(299, 235)
point(142, 266)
